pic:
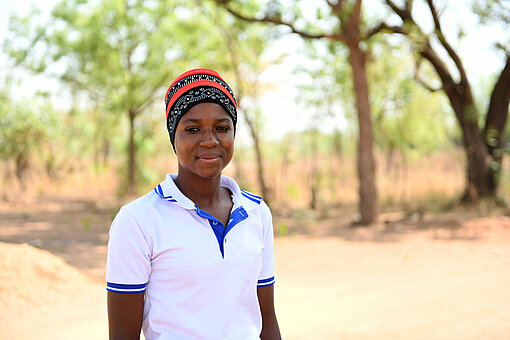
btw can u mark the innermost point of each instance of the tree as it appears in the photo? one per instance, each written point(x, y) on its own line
point(348, 29)
point(244, 46)
point(24, 130)
point(483, 146)
point(407, 119)
point(332, 79)
point(118, 53)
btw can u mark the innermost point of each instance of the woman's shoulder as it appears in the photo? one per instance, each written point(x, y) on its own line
point(250, 196)
point(256, 204)
point(148, 199)
point(149, 202)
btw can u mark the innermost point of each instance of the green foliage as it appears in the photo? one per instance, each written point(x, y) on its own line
point(282, 229)
point(25, 127)
point(236, 48)
point(86, 223)
point(151, 146)
point(406, 116)
point(417, 126)
point(495, 12)
point(492, 10)
point(329, 95)
point(292, 190)
point(116, 54)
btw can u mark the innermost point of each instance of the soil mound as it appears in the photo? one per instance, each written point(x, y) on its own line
point(31, 278)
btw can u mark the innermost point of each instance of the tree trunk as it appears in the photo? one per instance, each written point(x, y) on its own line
point(314, 173)
point(260, 163)
point(238, 172)
point(366, 162)
point(483, 149)
point(495, 124)
point(131, 179)
point(461, 100)
point(477, 155)
point(282, 182)
point(478, 160)
point(106, 151)
point(338, 144)
point(21, 169)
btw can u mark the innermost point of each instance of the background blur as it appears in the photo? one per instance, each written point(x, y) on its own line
point(376, 131)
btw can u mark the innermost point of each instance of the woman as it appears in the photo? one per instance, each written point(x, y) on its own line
point(193, 259)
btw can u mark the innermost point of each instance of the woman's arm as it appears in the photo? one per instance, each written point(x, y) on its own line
point(270, 329)
point(125, 312)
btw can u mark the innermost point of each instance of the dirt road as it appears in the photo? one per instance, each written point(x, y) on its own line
point(434, 280)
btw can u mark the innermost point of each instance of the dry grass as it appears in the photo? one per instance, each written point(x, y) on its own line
point(422, 183)
point(411, 182)
point(404, 277)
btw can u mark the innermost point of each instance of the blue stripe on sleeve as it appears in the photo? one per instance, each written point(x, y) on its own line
point(125, 288)
point(266, 282)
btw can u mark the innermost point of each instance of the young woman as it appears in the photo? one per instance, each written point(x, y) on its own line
point(193, 259)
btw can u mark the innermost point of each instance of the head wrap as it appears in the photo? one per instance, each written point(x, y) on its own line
point(194, 87)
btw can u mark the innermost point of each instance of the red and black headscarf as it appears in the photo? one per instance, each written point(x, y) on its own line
point(194, 87)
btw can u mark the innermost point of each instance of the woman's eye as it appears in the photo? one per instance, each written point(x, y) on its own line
point(192, 129)
point(223, 128)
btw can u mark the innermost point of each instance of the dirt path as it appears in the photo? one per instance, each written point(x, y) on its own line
point(433, 280)
point(414, 289)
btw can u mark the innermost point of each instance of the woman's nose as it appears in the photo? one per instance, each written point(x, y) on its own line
point(209, 138)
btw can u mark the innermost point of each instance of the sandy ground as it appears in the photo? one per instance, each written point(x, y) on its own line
point(442, 277)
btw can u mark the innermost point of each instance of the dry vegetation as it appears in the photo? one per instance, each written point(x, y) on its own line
point(428, 183)
point(422, 271)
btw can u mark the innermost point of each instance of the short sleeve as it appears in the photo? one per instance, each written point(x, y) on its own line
point(128, 261)
point(266, 276)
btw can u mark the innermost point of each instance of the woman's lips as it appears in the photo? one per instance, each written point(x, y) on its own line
point(209, 158)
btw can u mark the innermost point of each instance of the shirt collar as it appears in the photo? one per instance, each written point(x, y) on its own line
point(168, 191)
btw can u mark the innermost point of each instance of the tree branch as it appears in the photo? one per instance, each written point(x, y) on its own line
point(337, 8)
point(409, 6)
point(442, 71)
point(278, 21)
point(446, 45)
point(403, 14)
point(354, 20)
point(382, 27)
point(234, 60)
point(428, 52)
point(150, 97)
point(420, 81)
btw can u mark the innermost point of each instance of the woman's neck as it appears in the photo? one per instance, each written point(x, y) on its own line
point(204, 192)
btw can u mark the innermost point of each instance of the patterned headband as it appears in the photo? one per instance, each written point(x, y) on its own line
point(194, 87)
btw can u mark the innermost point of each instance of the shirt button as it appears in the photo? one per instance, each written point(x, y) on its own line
point(214, 222)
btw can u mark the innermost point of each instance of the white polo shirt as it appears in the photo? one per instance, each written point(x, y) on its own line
point(200, 278)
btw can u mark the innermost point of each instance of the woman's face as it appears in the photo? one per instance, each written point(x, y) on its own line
point(204, 140)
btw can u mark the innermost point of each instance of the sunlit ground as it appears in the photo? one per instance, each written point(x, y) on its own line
point(434, 276)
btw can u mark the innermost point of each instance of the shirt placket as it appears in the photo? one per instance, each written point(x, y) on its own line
point(220, 231)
